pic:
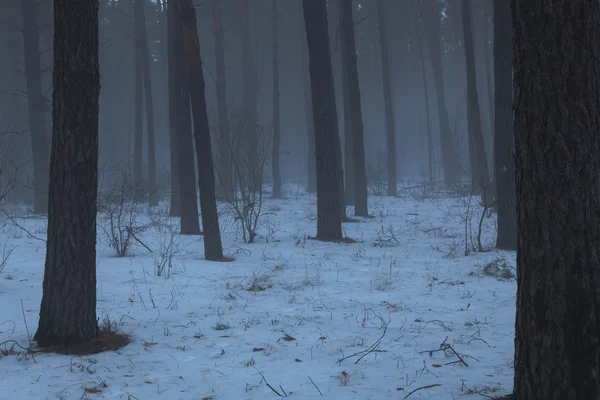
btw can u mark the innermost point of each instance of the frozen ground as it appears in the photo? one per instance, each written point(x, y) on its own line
point(359, 320)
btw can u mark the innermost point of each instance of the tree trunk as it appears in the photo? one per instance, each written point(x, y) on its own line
point(482, 182)
point(487, 62)
point(176, 198)
point(504, 146)
point(327, 142)
point(390, 131)
point(224, 171)
point(310, 125)
point(275, 146)
point(138, 140)
point(449, 156)
point(557, 120)
point(180, 101)
point(352, 92)
point(68, 308)
point(35, 102)
point(213, 249)
point(143, 43)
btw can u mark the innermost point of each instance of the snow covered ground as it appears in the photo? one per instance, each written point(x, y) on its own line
point(310, 319)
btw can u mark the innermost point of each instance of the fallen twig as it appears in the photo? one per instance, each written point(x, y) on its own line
point(374, 348)
point(316, 387)
point(271, 387)
point(423, 387)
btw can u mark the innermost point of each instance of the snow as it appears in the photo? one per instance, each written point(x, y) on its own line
point(320, 302)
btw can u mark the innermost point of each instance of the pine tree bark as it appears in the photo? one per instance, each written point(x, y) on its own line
point(327, 142)
point(176, 199)
point(275, 146)
point(504, 146)
point(36, 107)
point(556, 46)
point(390, 130)
point(352, 100)
point(143, 43)
point(479, 169)
point(179, 99)
point(224, 189)
point(433, 34)
point(138, 114)
point(310, 126)
point(68, 308)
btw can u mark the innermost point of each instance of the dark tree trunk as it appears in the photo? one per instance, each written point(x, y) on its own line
point(310, 126)
point(176, 199)
point(35, 102)
point(556, 46)
point(449, 156)
point(504, 146)
point(390, 131)
point(327, 142)
point(224, 163)
point(275, 146)
point(213, 249)
point(138, 139)
point(143, 43)
point(180, 101)
point(487, 61)
point(68, 308)
point(352, 93)
point(481, 179)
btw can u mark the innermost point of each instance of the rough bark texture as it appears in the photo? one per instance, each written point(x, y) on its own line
point(178, 83)
point(68, 308)
point(556, 46)
point(276, 117)
point(138, 114)
point(143, 43)
point(327, 142)
point(504, 146)
point(479, 166)
point(36, 106)
point(449, 157)
point(213, 249)
point(224, 163)
point(173, 130)
point(390, 131)
point(352, 91)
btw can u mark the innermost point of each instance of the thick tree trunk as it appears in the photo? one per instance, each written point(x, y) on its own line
point(35, 102)
point(224, 163)
point(327, 142)
point(275, 146)
point(310, 126)
point(138, 138)
point(180, 101)
point(449, 156)
point(556, 47)
point(143, 43)
point(68, 308)
point(480, 170)
point(390, 131)
point(504, 146)
point(213, 249)
point(352, 92)
point(176, 199)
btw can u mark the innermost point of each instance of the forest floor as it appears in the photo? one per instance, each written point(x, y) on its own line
point(401, 313)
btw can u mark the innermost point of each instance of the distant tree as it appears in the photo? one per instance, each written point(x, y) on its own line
point(556, 47)
point(213, 249)
point(68, 308)
point(36, 106)
point(179, 110)
point(138, 113)
point(327, 142)
point(275, 146)
point(504, 146)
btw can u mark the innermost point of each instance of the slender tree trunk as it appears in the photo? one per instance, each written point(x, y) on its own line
point(489, 76)
point(556, 47)
point(35, 102)
point(176, 199)
point(138, 146)
point(504, 147)
point(473, 113)
point(68, 308)
point(327, 142)
point(143, 43)
point(275, 146)
point(224, 188)
point(358, 147)
point(390, 131)
point(180, 101)
point(213, 249)
point(449, 156)
point(310, 126)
